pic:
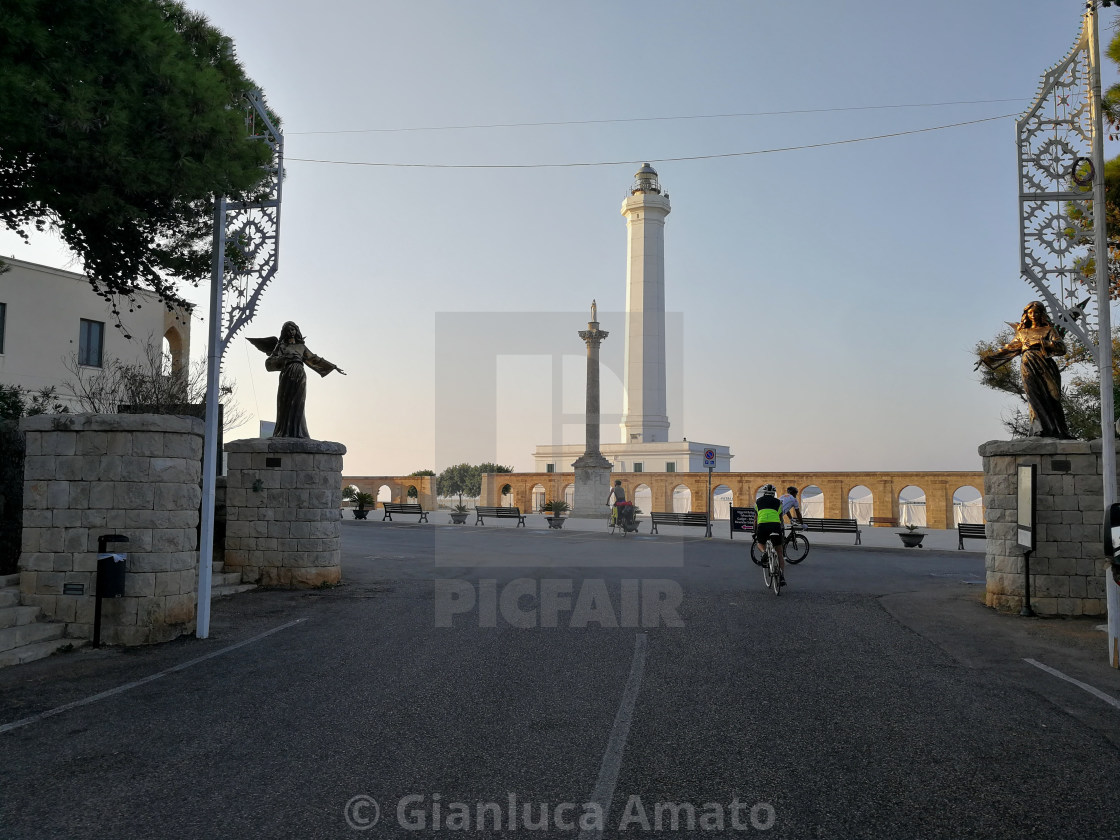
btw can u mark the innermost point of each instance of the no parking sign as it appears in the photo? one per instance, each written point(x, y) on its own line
point(709, 457)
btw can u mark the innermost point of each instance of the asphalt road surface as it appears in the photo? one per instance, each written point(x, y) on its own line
point(499, 681)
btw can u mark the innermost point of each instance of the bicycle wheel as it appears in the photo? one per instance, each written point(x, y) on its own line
point(797, 548)
point(757, 557)
point(775, 572)
point(767, 574)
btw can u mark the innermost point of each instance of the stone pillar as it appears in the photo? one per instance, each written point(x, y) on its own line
point(1068, 564)
point(88, 475)
point(592, 470)
point(283, 523)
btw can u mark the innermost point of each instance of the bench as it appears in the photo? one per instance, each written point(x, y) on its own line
point(655, 518)
point(969, 532)
point(884, 521)
point(836, 526)
point(499, 513)
point(399, 507)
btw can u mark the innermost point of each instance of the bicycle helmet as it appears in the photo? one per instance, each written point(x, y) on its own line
point(769, 490)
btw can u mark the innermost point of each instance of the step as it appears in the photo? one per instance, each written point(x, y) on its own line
point(9, 597)
point(226, 579)
point(232, 589)
point(38, 650)
point(15, 616)
point(10, 580)
point(26, 634)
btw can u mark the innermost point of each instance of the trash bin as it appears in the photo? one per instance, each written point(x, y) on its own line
point(110, 574)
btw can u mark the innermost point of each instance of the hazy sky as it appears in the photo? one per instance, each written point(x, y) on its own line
point(849, 281)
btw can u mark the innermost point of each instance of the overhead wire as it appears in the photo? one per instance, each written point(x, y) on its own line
point(656, 119)
point(774, 150)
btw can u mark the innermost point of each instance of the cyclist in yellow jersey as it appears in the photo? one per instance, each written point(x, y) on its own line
point(768, 525)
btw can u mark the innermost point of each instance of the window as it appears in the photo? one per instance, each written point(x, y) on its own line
point(550, 468)
point(670, 466)
point(3, 322)
point(637, 466)
point(91, 340)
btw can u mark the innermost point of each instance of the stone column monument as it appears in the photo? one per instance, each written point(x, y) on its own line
point(593, 471)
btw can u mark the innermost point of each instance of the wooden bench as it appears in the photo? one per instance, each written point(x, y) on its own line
point(694, 519)
point(969, 532)
point(500, 513)
point(883, 521)
point(836, 526)
point(400, 507)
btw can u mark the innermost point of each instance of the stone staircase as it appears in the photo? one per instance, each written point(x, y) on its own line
point(23, 636)
point(226, 583)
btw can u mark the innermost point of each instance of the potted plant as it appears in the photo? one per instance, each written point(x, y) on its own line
point(557, 509)
point(912, 537)
point(361, 499)
point(459, 514)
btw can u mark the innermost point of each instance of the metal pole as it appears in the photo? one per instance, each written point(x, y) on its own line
point(1027, 610)
point(708, 529)
point(210, 441)
point(1104, 318)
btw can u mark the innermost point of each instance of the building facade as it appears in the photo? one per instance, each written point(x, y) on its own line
point(51, 320)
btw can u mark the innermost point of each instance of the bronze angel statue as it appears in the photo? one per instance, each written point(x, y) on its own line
point(1037, 341)
point(288, 354)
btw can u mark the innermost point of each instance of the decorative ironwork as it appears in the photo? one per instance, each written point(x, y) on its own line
point(1056, 242)
point(252, 230)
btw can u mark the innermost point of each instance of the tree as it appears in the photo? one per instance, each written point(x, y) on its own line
point(422, 472)
point(122, 120)
point(17, 402)
point(457, 480)
point(151, 383)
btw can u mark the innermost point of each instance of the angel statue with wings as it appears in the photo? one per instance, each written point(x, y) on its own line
point(288, 354)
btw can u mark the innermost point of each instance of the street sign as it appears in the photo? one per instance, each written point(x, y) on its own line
point(709, 457)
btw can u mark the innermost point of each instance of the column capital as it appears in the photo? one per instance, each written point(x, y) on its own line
point(593, 333)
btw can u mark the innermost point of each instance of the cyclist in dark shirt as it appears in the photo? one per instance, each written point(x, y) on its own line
point(768, 525)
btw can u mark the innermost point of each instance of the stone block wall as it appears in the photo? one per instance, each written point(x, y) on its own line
point(87, 475)
point(1067, 566)
point(283, 523)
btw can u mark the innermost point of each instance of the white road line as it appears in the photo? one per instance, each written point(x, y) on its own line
point(616, 744)
point(1096, 692)
point(8, 727)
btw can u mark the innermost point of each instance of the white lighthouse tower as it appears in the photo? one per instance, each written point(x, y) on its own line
point(644, 416)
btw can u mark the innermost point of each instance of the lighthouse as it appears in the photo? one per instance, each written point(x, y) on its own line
point(644, 416)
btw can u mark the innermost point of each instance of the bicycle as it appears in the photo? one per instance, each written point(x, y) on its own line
point(795, 546)
point(772, 569)
point(623, 518)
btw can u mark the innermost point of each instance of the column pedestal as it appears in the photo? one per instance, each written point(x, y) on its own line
point(283, 523)
point(593, 483)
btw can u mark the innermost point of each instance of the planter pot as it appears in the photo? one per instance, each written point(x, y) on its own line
point(555, 521)
point(360, 514)
point(910, 540)
point(458, 518)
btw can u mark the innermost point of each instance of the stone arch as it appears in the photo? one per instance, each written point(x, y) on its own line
point(722, 500)
point(811, 500)
point(570, 495)
point(411, 493)
point(506, 496)
point(384, 493)
point(861, 504)
point(968, 506)
point(912, 506)
point(176, 348)
point(539, 498)
point(682, 499)
point(643, 499)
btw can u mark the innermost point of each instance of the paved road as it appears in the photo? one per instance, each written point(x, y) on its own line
point(875, 698)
